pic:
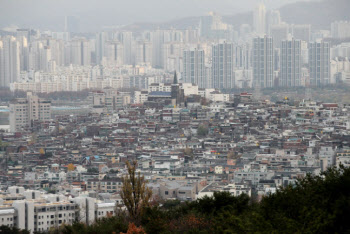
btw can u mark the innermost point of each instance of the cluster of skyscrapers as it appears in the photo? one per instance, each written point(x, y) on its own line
point(215, 54)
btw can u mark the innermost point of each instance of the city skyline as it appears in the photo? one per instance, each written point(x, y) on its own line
point(174, 116)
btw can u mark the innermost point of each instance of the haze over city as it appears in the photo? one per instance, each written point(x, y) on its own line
point(174, 116)
point(94, 14)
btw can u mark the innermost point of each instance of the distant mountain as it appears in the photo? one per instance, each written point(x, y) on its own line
point(320, 14)
point(238, 19)
point(183, 23)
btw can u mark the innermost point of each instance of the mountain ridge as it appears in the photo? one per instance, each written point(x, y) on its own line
point(323, 14)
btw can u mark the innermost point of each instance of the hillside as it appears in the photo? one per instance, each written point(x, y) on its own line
point(320, 14)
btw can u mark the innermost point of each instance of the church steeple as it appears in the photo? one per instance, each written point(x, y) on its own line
point(175, 78)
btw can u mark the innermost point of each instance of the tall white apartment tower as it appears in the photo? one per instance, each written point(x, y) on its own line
point(127, 40)
point(157, 43)
point(290, 74)
point(319, 63)
point(24, 52)
point(223, 60)
point(80, 52)
point(172, 53)
point(340, 29)
point(144, 51)
point(114, 52)
point(194, 67)
point(9, 61)
point(101, 38)
point(259, 19)
point(263, 62)
point(2, 64)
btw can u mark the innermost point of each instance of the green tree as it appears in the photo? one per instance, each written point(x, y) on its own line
point(315, 204)
point(135, 193)
point(92, 170)
point(12, 230)
point(222, 201)
point(202, 130)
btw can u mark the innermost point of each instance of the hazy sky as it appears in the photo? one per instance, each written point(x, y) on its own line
point(49, 14)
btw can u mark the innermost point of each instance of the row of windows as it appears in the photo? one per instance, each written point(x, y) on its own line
point(53, 216)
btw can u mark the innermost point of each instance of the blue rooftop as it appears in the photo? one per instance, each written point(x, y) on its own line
point(160, 93)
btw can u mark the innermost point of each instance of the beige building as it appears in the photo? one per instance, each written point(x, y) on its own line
point(23, 111)
point(108, 100)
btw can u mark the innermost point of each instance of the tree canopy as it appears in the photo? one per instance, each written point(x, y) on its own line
point(315, 204)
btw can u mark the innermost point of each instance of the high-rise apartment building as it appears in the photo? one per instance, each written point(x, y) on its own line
point(172, 53)
point(23, 111)
point(223, 76)
point(301, 32)
point(127, 41)
point(157, 42)
point(80, 52)
point(24, 52)
point(22, 32)
point(263, 62)
point(259, 19)
point(340, 29)
point(279, 33)
point(242, 56)
point(2, 64)
point(194, 67)
point(144, 51)
point(9, 60)
point(57, 51)
point(158, 39)
point(71, 24)
point(101, 38)
point(114, 52)
point(319, 63)
point(45, 58)
point(290, 70)
point(205, 25)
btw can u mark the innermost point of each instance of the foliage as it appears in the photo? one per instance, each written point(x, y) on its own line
point(114, 224)
point(202, 130)
point(12, 230)
point(221, 201)
point(134, 230)
point(70, 167)
point(92, 170)
point(41, 151)
point(232, 155)
point(315, 204)
point(3, 144)
point(188, 152)
point(134, 192)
